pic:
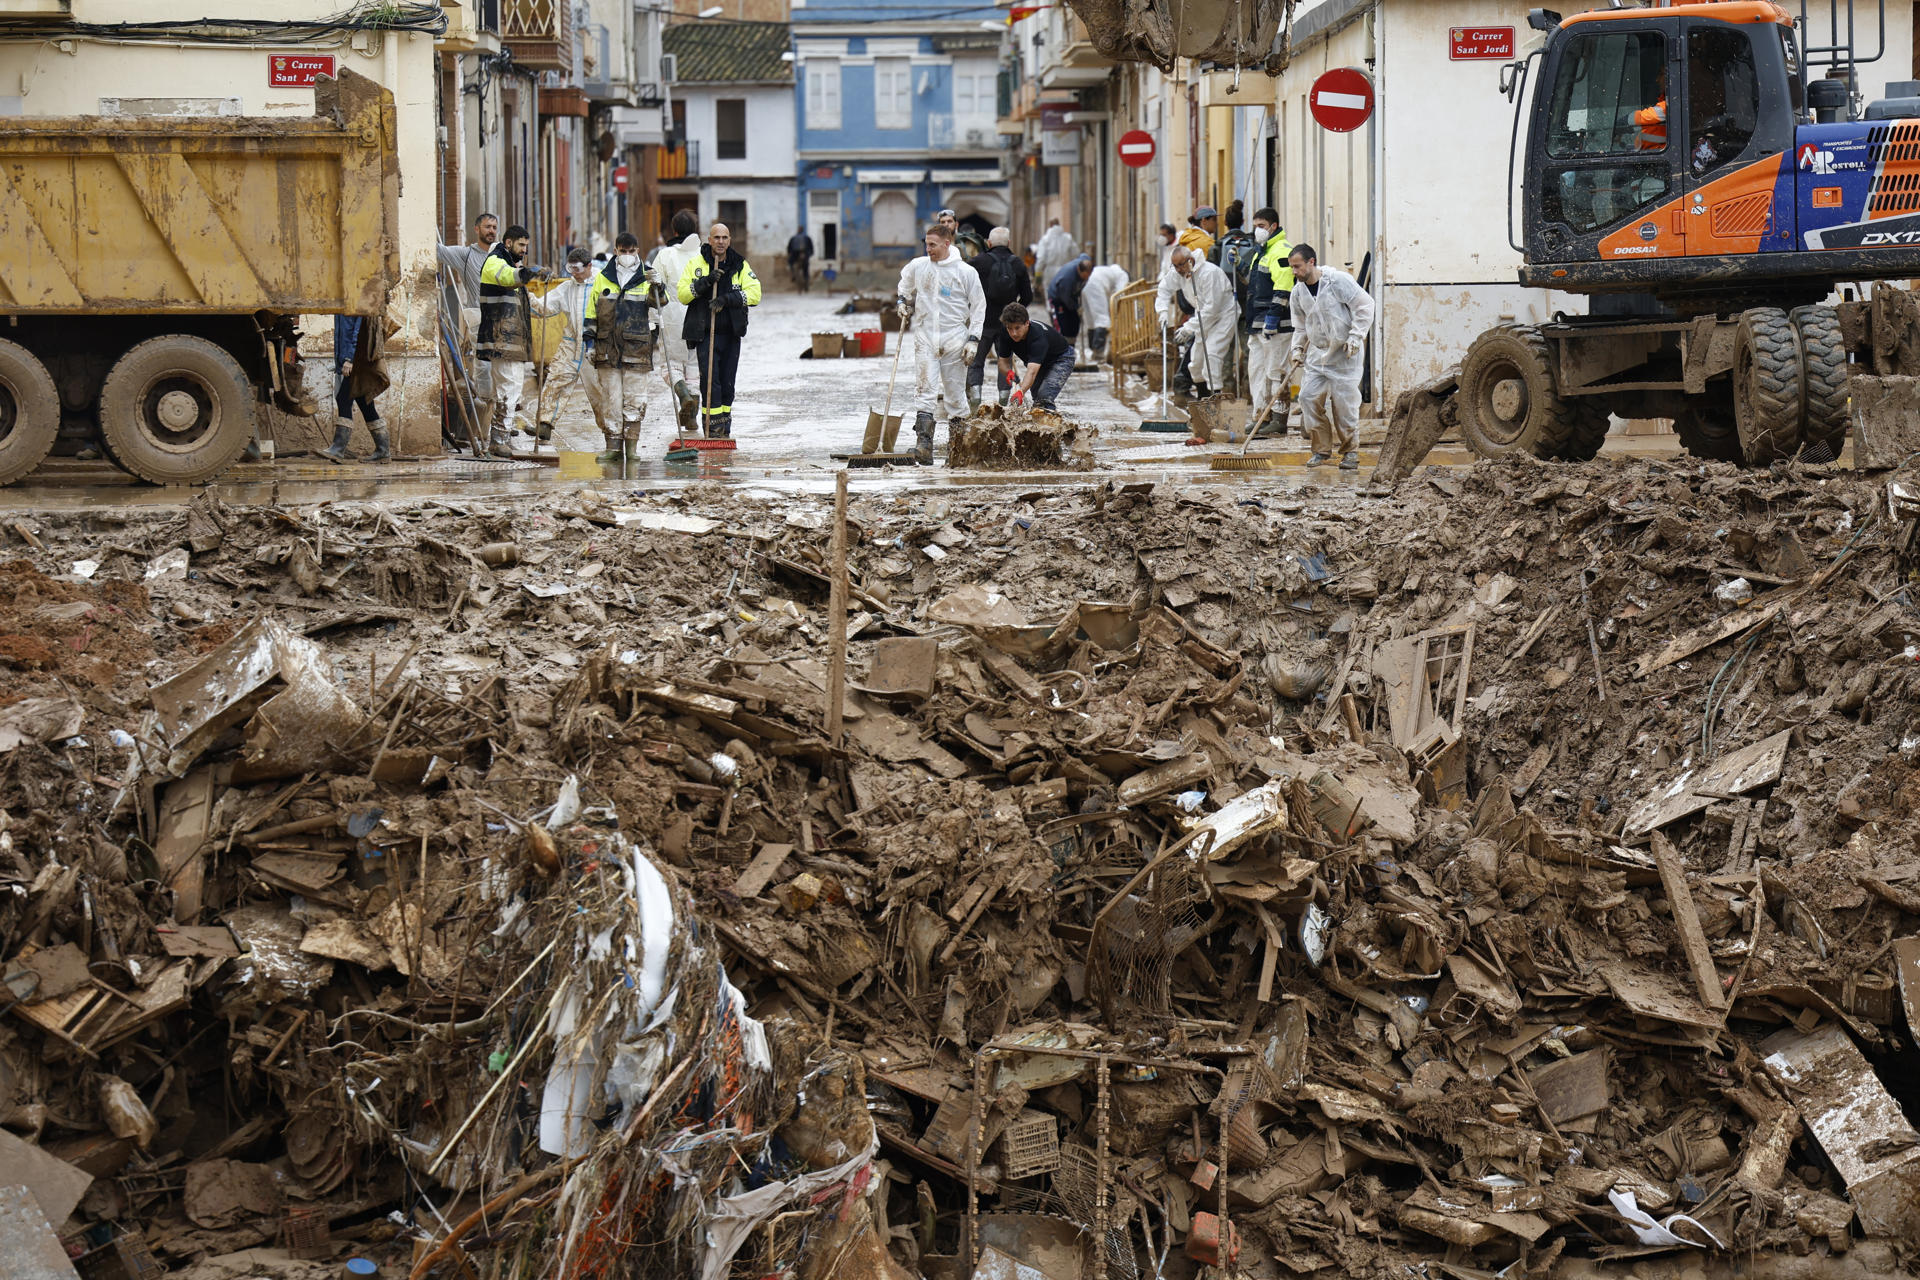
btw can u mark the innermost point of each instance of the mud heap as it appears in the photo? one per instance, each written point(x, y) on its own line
point(1512, 874)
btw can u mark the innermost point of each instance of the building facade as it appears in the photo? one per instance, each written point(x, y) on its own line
point(733, 128)
point(898, 119)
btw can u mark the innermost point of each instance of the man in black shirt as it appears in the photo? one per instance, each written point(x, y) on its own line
point(1048, 356)
point(1004, 279)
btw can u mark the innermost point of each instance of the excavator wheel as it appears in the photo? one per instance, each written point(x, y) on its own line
point(176, 410)
point(1706, 427)
point(29, 412)
point(1767, 392)
point(1508, 403)
point(1824, 362)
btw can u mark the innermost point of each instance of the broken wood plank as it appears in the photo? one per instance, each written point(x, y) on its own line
point(1695, 789)
point(1692, 642)
point(1673, 878)
point(761, 870)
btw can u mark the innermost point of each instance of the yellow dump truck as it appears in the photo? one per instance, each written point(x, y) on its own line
point(154, 270)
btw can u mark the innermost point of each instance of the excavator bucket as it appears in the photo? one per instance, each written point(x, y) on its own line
point(1420, 417)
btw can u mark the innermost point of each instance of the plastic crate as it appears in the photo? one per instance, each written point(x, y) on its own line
point(304, 1233)
point(1030, 1145)
point(125, 1257)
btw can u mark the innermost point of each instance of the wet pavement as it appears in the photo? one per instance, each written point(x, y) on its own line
point(791, 416)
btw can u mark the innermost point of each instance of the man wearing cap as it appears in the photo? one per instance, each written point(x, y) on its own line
point(965, 239)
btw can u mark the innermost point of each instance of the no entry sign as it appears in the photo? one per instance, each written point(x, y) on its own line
point(1342, 99)
point(1136, 148)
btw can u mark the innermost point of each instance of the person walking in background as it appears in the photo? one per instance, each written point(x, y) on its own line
point(571, 361)
point(1096, 304)
point(504, 339)
point(1332, 316)
point(1200, 230)
point(1055, 250)
point(621, 302)
point(1063, 296)
point(944, 295)
point(1003, 279)
point(1047, 354)
point(1269, 323)
point(665, 271)
point(717, 287)
point(360, 375)
point(800, 260)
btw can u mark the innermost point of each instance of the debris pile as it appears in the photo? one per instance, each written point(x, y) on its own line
point(1473, 878)
point(996, 437)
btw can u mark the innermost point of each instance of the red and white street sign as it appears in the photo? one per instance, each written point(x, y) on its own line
point(619, 177)
point(1342, 99)
point(1136, 148)
point(297, 70)
point(1474, 44)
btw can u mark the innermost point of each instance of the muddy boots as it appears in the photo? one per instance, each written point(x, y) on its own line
point(382, 444)
point(686, 406)
point(923, 438)
point(342, 432)
point(542, 433)
point(973, 399)
point(614, 451)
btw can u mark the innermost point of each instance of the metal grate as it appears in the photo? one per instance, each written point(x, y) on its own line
point(304, 1233)
point(1746, 216)
point(1074, 1187)
point(1135, 944)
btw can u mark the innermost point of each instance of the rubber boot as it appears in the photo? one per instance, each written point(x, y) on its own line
point(499, 442)
point(923, 438)
point(613, 453)
point(973, 399)
point(890, 438)
point(721, 428)
point(382, 445)
point(630, 447)
point(342, 432)
point(543, 432)
point(871, 441)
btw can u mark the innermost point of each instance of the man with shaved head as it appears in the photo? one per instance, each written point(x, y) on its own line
point(718, 286)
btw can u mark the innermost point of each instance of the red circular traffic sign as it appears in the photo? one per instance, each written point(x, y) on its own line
point(1342, 99)
point(1136, 148)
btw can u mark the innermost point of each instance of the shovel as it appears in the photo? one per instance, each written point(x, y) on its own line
point(883, 428)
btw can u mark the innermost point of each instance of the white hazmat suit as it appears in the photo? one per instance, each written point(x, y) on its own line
point(1055, 250)
point(1330, 324)
point(949, 307)
point(668, 266)
point(1211, 327)
point(570, 363)
point(1096, 298)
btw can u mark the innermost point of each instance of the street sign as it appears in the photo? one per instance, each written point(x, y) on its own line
point(297, 70)
point(1475, 44)
point(1060, 148)
point(619, 177)
point(1136, 148)
point(1342, 99)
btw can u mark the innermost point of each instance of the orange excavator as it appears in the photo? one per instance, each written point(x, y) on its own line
point(1686, 168)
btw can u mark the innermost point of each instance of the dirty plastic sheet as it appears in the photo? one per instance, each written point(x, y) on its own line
point(736, 1217)
point(1657, 1233)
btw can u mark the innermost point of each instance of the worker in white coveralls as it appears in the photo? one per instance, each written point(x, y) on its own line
point(623, 343)
point(1332, 316)
point(669, 263)
point(941, 294)
point(1096, 304)
point(1054, 250)
point(571, 361)
point(1207, 292)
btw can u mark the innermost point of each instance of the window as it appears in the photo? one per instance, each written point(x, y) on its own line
point(823, 93)
point(975, 91)
point(730, 128)
point(734, 214)
point(1723, 96)
point(893, 220)
point(892, 93)
point(1609, 105)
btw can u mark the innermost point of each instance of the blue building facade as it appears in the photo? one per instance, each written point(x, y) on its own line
point(897, 119)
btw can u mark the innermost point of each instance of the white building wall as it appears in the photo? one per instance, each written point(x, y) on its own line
point(764, 179)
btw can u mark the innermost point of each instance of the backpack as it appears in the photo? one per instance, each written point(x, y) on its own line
point(1238, 254)
point(1000, 280)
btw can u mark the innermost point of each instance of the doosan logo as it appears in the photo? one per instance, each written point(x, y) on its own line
point(1889, 237)
point(1623, 250)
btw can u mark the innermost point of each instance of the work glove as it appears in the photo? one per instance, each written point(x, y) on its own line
point(1187, 332)
point(903, 307)
point(524, 274)
point(970, 350)
point(735, 298)
point(703, 286)
point(1353, 348)
point(1017, 399)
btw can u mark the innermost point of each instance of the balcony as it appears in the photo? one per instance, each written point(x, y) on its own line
point(1068, 58)
point(672, 163)
point(965, 133)
point(539, 33)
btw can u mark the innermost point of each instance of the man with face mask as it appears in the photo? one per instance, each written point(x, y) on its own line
point(1202, 288)
point(717, 287)
point(668, 266)
point(1267, 318)
point(943, 297)
point(572, 362)
point(623, 338)
point(1331, 318)
point(504, 340)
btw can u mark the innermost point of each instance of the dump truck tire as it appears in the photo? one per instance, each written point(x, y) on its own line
point(1767, 386)
point(1508, 403)
point(176, 410)
point(1823, 358)
point(29, 412)
point(1707, 429)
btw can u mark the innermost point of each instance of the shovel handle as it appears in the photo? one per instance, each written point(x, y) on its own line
point(886, 410)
